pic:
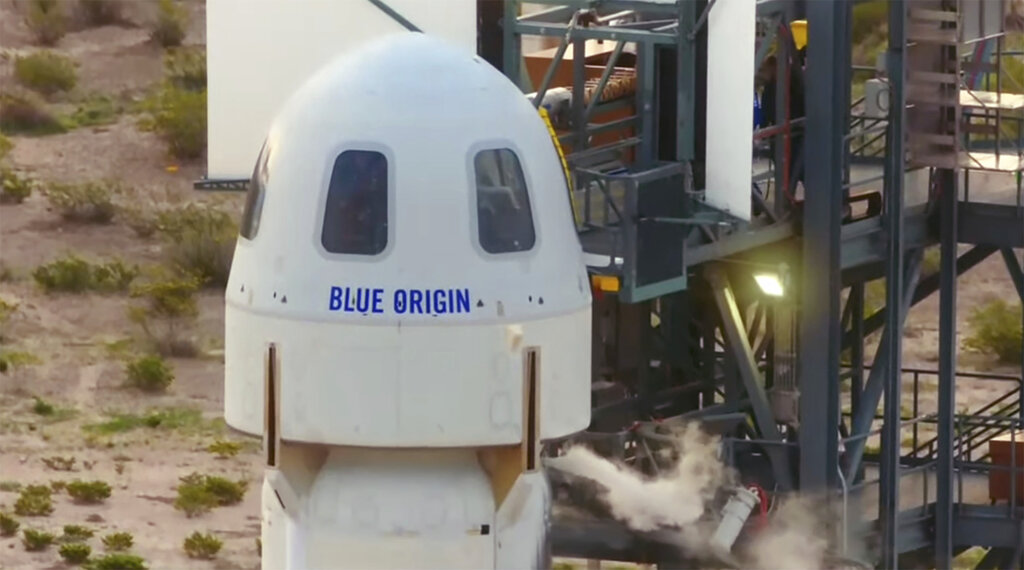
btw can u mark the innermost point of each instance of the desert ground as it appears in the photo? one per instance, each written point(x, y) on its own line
point(64, 393)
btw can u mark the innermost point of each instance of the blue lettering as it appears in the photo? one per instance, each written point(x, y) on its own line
point(348, 300)
point(416, 301)
point(400, 300)
point(378, 300)
point(362, 300)
point(440, 306)
point(335, 302)
point(462, 301)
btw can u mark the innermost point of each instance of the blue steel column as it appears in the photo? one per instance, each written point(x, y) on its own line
point(821, 283)
point(510, 49)
point(947, 372)
point(889, 496)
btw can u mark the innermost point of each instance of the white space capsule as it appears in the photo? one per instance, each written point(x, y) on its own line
point(407, 246)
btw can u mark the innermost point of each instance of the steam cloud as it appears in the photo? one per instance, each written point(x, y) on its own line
point(680, 498)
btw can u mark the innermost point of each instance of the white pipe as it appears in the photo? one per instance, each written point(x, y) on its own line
point(734, 515)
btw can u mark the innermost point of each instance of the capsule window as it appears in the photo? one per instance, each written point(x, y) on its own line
point(256, 194)
point(356, 219)
point(504, 217)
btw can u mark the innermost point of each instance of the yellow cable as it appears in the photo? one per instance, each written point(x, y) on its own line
point(561, 155)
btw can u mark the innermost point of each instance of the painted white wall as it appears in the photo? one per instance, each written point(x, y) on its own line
point(730, 110)
point(260, 51)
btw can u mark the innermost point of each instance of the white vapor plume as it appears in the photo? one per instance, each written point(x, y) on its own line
point(683, 498)
point(676, 499)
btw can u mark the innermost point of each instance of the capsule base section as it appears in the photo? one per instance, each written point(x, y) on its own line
point(399, 509)
point(405, 386)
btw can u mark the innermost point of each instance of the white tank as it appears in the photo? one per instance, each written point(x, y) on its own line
point(408, 233)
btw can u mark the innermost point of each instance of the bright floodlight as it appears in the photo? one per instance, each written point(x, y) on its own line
point(770, 284)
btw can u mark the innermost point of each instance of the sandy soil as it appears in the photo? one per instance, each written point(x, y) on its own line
point(78, 340)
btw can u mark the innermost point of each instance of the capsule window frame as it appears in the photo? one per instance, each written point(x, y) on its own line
point(474, 217)
point(325, 188)
point(262, 160)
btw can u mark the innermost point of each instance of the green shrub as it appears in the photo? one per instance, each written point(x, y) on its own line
point(8, 525)
point(169, 310)
point(5, 146)
point(58, 486)
point(117, 561)
point(171, 23)
point(46, 20)
point(88, 202)
point(46, 72)
point(75, 275)
point(118, 541)
point(89, 492)
point(96, 110)
point(10, 486)
point(34, 501)
point(75, 552)
point(100, 12)
point(36, 540)
point(58, 463)
point(200, 241)
point(76, 533)
point(202, 546)
point(224, 449)
point(178, 116)
point(14, 189)
point(931, 262)
point(42, 407)
point(149, 373)
point(186, 68)
point(24, 113)
point(996, 329)
point(199, 493)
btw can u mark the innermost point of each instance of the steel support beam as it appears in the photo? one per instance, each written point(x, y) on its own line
point(875, 386)
point(947, 371)
point(818, 373)
point(735, 336)
point(1013, 266)
point(889, 492)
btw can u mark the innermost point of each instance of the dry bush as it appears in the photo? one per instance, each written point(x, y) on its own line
point(171, 24)
point(47, 20)
point(118, 561)
point(202, 546)
point(87, 202)
point(167, 314)
point(8, 525)
point(185, 68)
point(72, 274)
point(46, 71)
point(75, 552)
point(36, 540)
point(118, 541)
point(24, 113)
point(149, 373)
point(996, 329)
point(5, 146)
point(200, 241)
point(199, 493)
point(14, 189)
point(34, 501)
point(178, 116)
point(76, 533)
point(88, 492)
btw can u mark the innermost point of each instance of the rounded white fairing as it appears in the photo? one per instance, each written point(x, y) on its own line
point(407, 234)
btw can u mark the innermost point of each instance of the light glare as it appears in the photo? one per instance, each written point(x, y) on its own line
point(770, 284)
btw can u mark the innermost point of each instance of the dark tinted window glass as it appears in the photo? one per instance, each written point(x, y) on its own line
point(254, 198)
point(356, 220)
point(505, 222)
